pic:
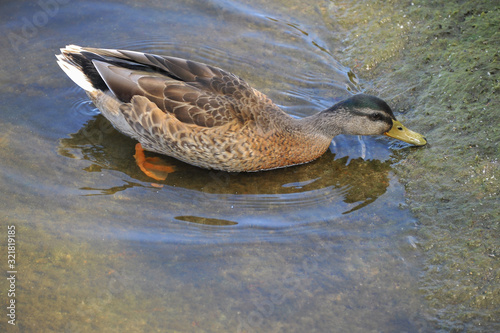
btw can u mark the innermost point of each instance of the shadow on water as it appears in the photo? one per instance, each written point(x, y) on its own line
point(350, 179)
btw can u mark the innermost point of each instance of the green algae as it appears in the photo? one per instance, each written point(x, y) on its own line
point(439, 64)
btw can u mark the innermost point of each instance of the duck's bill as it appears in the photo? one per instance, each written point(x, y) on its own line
point(398, 131)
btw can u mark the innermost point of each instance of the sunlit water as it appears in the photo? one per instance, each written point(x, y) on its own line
point(326, 246)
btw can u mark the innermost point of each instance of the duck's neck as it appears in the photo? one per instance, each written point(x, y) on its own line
point(322, 125)
point(310, 136)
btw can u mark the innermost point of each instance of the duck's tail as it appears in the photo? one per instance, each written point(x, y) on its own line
point(77, 64)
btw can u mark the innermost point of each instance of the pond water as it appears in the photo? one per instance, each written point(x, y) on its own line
point(326, 246)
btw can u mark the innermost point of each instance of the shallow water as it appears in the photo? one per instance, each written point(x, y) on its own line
point(326, 246)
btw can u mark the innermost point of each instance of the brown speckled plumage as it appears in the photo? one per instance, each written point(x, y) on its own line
point(208, 117)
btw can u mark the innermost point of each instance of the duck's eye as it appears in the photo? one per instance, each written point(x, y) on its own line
point(376, 116)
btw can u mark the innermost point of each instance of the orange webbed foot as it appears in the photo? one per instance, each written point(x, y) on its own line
point(153, 167)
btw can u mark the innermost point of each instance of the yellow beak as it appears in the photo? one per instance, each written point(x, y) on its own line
point(398, 131)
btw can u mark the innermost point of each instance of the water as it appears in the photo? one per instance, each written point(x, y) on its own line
point(326, 246)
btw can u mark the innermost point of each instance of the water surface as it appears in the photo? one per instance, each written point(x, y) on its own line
point(326, 246)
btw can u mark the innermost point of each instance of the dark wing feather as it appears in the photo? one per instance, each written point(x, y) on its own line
point(194, 92)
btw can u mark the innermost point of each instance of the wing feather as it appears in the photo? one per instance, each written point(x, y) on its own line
point(193, 92)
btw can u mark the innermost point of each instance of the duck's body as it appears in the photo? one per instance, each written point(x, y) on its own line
point(210, 118)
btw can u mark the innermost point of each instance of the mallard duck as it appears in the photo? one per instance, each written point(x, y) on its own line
point(213, 119)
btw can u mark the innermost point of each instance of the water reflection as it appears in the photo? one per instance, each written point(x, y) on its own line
point(205, 220)
point(351, 178)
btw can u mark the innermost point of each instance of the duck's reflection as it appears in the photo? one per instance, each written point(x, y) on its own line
point(358, 181)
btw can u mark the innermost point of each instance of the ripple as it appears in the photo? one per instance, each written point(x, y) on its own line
point(290, 201)
point(84, 106)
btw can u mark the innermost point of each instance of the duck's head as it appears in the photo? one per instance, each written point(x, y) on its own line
point(369, 115)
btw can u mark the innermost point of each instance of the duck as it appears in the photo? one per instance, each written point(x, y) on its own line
point(210, 118)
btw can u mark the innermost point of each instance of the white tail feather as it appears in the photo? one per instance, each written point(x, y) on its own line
point(73, 70)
